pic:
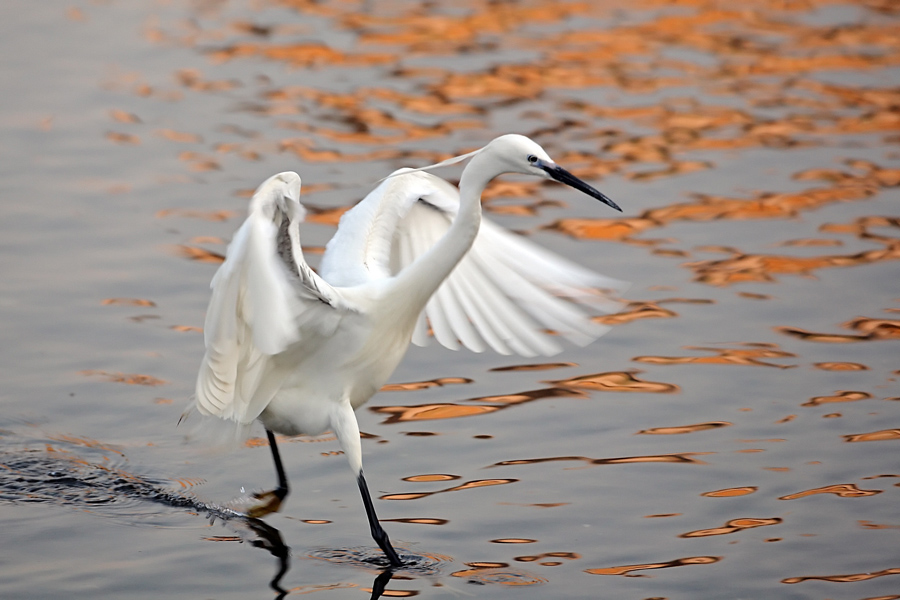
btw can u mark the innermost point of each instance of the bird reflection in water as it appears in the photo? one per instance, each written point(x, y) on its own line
point(269, 539)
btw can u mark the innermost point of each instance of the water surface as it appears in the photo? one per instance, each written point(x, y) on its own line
point(734, 435)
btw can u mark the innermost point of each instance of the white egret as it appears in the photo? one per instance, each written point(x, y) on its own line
point(300, 351)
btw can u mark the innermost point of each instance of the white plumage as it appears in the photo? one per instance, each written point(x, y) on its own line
point(301, 351)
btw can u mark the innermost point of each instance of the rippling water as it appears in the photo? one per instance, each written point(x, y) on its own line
point(734, 435)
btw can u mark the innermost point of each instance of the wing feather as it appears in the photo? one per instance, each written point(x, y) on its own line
point(261, 305)
point(507, 293)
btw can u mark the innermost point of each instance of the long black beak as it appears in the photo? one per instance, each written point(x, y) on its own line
point(563, 176)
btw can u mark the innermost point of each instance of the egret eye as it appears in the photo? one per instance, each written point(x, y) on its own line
point(532, 158)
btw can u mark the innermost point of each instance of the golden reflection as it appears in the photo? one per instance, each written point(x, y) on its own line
point(731, 492)
point(634, 311)
point(123, 138)
point(870, 329)
point(420, 32)
point(732, 526)
point(83, 442)
point(538, 557)
point(513, 541)
point(127, 302)
point(871, 525)
point(874, 436)
point(419, 521)
point(179, 136)
point(686, 428)
point(469, 485)
point(431, 477)
point(843, 490)
point(535, 367)
point(839, 396)
point(840, 366)
point(628, 570)
point(200, 254)
point(741, 267)
point(684, 458)
point(725, 356)
point(497, 573)
point(298, 55)
point(127, 378)
point(425, 412)
point(753, 296)
point(423, 385)
point(844, 578)
point(123, 116)
point(617, 381)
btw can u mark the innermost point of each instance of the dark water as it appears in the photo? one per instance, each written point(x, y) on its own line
point(734, 436)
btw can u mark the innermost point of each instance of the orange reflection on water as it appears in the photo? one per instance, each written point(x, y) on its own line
point(731, 492)
point(686, 428)
point(424, 412)
point(200, 254)
point(844, 578)
point(602, 229)
point(421, 32)
point(127, 302)
point(81, 441)
point(839, 396)
point(617, 381)
point(840, 366)
point(298, 55)
point(870, 329)
point(647, 310)
point(634, 311)
point(843, 490)
point(870, 525)
point(628, 570)
point(427, 412)
point(535, 367)
point(423, 385)
point(419, 521)
point(874, 436)
point(498, 573)
point(732, 526)
point(469, 485)
point(431, 477)
point(127, 378)
point(684, 458)
point(186, 328)
point(538, 557)
point(724, 356)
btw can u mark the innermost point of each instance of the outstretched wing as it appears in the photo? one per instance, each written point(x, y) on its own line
point(265, 299)
point(507, 293)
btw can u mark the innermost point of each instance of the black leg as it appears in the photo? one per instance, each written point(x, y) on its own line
point(378, 533)
point(283, 489)
point(271, 500)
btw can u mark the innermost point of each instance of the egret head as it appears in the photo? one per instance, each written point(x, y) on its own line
point(523, 155)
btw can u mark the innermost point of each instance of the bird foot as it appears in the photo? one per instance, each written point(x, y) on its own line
point(270, 503)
